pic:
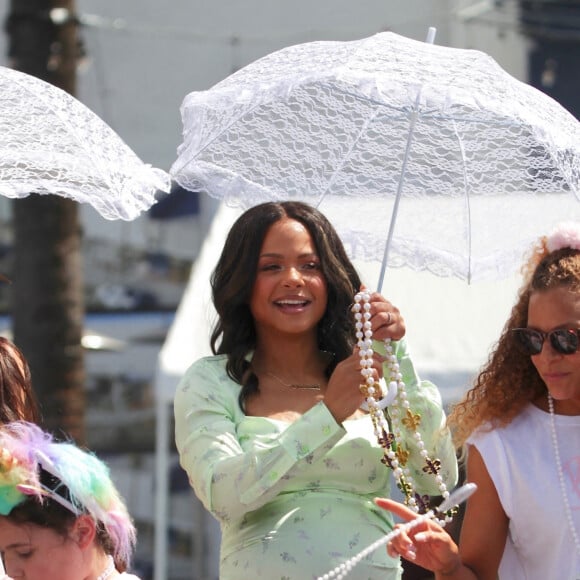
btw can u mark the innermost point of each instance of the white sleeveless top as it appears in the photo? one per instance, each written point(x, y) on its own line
point(521, 463)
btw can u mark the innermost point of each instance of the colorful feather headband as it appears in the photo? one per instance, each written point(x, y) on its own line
point(49, 485)
point(34, 467)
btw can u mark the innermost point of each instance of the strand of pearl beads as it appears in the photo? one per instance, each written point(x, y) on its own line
point(458, 496)
point(342, 570)
point(395, 459)
point(560, 471)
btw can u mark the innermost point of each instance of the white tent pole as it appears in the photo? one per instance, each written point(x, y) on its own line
point(186, 341)
point(162, 410)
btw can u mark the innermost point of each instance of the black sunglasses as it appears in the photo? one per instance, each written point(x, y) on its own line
point(563, 340)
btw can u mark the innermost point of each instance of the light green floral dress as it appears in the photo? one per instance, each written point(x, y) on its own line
point(294, 500)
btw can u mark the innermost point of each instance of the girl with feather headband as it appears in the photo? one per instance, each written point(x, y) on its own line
point(61, 517)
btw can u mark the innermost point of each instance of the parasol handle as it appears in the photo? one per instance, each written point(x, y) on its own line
point(431, 35)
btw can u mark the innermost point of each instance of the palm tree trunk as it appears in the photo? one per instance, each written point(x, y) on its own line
point(47, 299)
point(47, 289)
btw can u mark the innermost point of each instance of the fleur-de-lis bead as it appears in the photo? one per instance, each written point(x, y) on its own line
point(411, 421)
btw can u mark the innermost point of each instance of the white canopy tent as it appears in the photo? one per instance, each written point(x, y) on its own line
point(187, 340)
point(450, 328)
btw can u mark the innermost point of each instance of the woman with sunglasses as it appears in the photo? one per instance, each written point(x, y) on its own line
point(521, 426)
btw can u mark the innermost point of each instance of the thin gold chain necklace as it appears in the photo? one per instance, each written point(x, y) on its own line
point(298, 386)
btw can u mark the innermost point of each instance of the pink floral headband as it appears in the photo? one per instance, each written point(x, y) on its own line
point(566, 235)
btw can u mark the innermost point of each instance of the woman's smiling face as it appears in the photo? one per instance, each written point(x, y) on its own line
point(289, 294)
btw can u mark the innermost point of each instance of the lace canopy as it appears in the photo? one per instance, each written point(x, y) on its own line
point(483, 163)
point(51, 143)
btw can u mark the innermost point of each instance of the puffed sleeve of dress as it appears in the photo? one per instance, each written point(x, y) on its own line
point(228, 479)
point(425, 400)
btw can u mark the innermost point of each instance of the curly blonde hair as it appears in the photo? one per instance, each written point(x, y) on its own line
point(509, 380)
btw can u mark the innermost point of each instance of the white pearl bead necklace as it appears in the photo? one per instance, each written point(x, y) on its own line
point(343, 569)
point(457, 497)
point(560, 471)
point(109, 570)
point(395, 456)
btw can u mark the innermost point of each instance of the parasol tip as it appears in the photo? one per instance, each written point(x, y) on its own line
point(431, 35)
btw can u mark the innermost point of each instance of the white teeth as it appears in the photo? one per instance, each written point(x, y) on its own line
point(291, 302)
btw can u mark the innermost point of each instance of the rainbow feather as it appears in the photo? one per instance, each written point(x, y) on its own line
point(26, 449)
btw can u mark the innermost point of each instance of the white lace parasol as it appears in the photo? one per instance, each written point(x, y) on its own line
point(433, 152)
point(51, 143)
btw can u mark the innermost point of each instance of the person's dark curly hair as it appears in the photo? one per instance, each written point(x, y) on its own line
point(509, 380)
point(233, 280)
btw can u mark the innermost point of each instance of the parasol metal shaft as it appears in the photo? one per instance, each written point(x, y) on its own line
point(395, 211)
point(467, 197)
point(430, 40)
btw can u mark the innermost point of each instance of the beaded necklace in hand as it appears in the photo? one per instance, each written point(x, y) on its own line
point(395, 455)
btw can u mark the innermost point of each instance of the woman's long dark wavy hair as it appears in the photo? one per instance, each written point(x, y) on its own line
point(509, 380)
point(17, 399)
point(233, 280)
